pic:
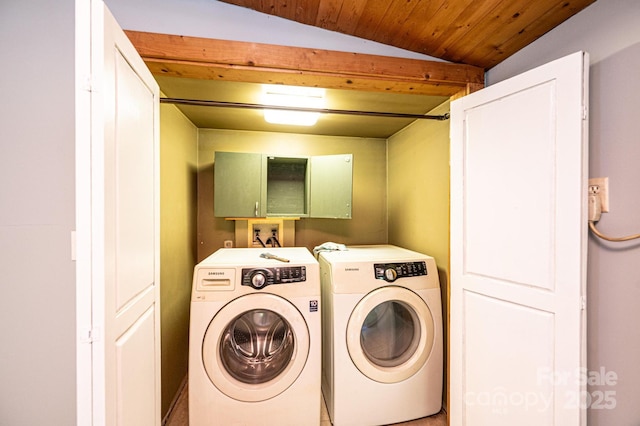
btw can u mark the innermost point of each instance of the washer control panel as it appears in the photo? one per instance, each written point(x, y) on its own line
point(392, 271)
point(261, 277)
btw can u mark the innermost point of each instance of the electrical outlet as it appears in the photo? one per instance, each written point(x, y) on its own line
point(600, 187)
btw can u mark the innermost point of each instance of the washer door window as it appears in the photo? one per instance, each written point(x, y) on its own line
point(390, 334)
point(255, 347)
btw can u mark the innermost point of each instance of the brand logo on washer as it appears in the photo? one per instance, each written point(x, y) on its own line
point(351, 269)
point(215, 273)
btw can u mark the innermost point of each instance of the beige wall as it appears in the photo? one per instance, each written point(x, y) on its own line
point(418, 194)
point(419, 188)
point(178, 155)
point(369, 217)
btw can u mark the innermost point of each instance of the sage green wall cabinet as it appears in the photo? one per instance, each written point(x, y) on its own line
point(237, 184)
point(259, 185)
point(331, 186)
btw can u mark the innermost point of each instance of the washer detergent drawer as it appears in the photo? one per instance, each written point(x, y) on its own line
point(218, 279)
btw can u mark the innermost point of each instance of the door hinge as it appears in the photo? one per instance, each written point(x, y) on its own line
point(90, 335)
point(88, 85)
point(583, 303)
point(585, 112)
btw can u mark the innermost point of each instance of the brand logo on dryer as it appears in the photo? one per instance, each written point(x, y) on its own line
point(351, 269)
point(217, 273)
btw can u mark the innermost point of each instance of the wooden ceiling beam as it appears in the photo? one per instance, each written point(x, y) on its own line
point(202, 58)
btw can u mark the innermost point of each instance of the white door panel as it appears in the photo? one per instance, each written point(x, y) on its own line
point(518, 249)
point(135, 372)
point(525, 342)
point(134, 181)
point(499, 197)
point(133, 311)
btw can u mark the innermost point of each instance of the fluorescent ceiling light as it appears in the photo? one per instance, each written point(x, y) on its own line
point(292, 96)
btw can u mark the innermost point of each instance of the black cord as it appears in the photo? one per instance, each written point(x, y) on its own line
point(260, 241)
point(274, 242)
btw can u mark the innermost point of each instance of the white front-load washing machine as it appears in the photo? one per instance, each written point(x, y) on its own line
point(254, 350)
point(382, 335)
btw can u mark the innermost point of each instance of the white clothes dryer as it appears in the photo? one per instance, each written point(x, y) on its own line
point(254, 350)
point(382, 335)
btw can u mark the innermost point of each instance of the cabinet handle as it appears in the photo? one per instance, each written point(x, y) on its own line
point(255, 213)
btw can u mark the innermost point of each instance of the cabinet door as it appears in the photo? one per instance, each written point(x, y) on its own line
point(237, 184)
point(330, 186)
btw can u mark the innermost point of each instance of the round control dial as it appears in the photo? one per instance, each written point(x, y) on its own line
point(258, 280)
point(390, 274)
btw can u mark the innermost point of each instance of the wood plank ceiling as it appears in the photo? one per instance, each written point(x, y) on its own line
point(482, 33)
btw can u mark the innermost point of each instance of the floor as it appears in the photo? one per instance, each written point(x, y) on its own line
point(180, 415)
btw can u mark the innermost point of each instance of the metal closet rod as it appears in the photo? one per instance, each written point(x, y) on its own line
point(285, 108)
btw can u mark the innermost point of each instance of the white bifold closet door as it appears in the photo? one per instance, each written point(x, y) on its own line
point(125, 295)
point(518, 249)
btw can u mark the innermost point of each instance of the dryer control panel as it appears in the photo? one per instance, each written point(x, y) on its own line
point(392, 271)
point(261, 277)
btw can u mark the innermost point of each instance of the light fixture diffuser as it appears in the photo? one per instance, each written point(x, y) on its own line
point(292, 96)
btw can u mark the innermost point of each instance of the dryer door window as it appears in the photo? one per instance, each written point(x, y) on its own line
point(255, 347)
point(390, 334)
